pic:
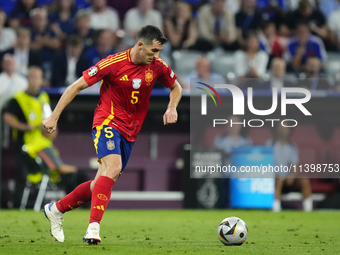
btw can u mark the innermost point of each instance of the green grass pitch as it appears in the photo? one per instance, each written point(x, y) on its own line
point(173, 232)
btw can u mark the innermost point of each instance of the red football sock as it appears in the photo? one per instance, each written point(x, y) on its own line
point(80, 195)
point(101, 195)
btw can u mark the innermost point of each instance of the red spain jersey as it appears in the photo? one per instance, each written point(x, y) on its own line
point(125, 91)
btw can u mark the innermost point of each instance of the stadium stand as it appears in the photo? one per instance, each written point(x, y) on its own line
point(184, 61)
point(332, 65)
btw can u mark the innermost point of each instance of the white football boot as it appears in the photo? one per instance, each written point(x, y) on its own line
point(55, 220)
point(307, 204)
point(277, 205)
point(92, 234)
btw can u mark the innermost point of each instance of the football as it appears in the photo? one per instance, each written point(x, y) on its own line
point(232, 231)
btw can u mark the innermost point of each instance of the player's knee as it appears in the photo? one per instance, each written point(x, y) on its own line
point(112, 172)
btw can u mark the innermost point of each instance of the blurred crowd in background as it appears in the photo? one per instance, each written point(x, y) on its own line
point(263, 38)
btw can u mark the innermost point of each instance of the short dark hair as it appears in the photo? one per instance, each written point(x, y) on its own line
point(302, 23)
point(74, 40)
point(264, 25)
point(20, 29)
point(304, 4)
point(149, 33)
point(249, 34)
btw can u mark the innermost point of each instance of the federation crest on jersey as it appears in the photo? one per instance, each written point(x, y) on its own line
point(136, 83)
point(110, 145)
point(148, 76)
point(93, 71)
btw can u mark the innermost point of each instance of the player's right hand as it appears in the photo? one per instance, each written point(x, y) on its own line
point(50, 125)
point(28, 127)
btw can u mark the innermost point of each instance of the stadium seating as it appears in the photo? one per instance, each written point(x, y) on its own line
point(184, 62)
point(332, 65)
point(222, 63)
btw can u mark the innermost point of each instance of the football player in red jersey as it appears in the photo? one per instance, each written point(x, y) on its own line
point(127, 79)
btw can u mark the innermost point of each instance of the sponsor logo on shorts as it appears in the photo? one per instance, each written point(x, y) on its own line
point(102, 197)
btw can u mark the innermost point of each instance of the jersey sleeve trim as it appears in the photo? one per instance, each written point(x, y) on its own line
point(112, 60)
point(128, 54)
point(161, 60)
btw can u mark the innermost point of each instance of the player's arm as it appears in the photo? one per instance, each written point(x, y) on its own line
point(12, 111)
point(170, 115)
point(51, 123)
point(14, 123)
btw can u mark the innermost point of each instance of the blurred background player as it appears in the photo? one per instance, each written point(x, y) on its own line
point(127, 80)
point(24, 114)
point(286, 154)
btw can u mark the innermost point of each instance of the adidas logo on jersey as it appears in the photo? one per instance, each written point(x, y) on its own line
point(124, 78)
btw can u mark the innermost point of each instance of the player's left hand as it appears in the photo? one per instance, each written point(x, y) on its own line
point(170, 116)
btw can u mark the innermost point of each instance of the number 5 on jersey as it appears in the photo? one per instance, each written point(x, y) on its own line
point(134, 97)
point(108, 132)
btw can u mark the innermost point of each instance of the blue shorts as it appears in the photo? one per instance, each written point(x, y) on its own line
point(108, 140)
